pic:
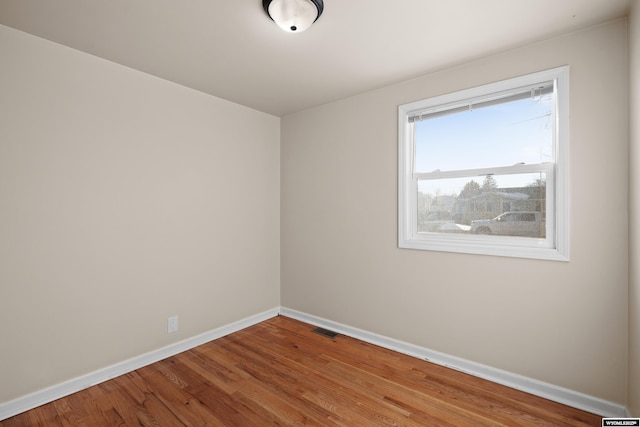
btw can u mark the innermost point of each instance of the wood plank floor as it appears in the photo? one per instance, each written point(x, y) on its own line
point(280, 373)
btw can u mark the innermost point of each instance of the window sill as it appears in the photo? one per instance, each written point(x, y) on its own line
point(512, 247)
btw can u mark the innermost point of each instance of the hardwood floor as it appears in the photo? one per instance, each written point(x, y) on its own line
point(280, 373)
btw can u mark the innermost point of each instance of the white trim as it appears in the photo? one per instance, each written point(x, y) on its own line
point(529, 385)
point(41, 397)
point(555, 246)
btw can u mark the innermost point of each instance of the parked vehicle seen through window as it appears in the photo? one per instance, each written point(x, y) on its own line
point(529, 224)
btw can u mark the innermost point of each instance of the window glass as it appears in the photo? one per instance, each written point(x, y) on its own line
point(461, 205)
point(499, 135)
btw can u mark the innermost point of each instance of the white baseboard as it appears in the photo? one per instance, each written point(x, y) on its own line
point(529, 385)
point(33, 400)
point(538, 388)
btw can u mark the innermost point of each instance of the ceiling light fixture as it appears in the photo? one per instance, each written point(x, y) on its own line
point(293, 16)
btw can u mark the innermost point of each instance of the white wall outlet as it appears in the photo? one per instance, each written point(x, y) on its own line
point(172, 324)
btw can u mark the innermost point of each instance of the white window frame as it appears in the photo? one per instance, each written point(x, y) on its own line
point(556, 245)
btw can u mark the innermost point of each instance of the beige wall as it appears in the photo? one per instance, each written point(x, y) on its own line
point(124, 199)
point(562, 323)
point(634, 213)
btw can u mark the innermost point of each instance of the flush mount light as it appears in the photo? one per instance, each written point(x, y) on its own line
point(293, 16)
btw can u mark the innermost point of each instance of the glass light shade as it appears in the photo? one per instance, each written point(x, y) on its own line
point(293, 15)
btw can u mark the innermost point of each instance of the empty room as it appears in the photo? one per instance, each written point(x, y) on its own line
point(306, 212)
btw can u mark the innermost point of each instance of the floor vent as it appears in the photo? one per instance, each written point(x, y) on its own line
point(325, 332)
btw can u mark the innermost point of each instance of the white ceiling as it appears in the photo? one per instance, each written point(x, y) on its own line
point(231, 49)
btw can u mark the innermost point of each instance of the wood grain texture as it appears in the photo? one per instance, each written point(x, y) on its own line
point(280, 373)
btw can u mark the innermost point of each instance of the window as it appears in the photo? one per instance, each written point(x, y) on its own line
point(485, 170)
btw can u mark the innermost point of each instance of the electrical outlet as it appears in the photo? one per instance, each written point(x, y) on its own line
point(172, 324)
